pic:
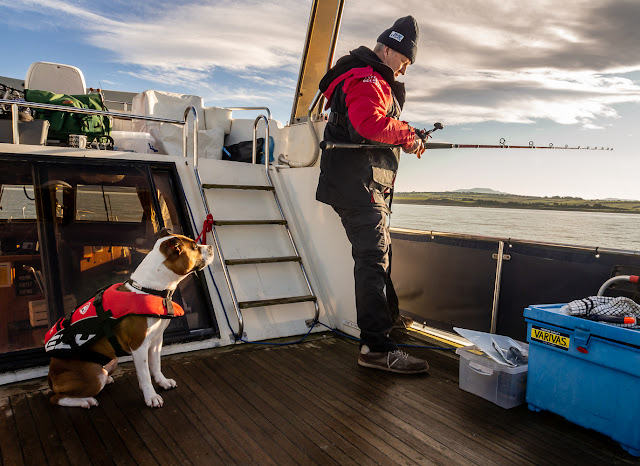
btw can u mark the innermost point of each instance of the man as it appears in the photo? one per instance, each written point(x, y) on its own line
point(366, 101)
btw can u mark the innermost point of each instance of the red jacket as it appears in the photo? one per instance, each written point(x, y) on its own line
point(365, 101)
point(369, 98)
point(76, 331)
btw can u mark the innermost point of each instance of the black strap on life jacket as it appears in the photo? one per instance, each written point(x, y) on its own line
point(166, 295)
point(338, 118)
point(104, 319)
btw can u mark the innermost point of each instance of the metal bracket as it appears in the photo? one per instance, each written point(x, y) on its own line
point(506, 257)
point(233, 339)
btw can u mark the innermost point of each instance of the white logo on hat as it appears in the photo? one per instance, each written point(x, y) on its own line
point(396, 35)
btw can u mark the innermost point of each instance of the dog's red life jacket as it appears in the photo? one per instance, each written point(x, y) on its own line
point(74, 333)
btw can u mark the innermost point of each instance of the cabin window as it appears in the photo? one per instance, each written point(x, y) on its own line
point(22, 292)
point(75, 229)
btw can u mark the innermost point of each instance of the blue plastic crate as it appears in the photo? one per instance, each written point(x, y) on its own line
point(586, 371)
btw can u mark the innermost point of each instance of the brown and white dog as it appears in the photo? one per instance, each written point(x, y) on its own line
point(75, 381)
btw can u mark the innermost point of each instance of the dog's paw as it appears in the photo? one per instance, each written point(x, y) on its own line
point(88, 403)
point(167, 384)
point(154, 401)
point(109, 380)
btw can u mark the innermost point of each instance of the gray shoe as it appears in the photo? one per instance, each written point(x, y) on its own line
point(393, 361)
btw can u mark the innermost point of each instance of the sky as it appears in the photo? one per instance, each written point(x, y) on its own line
point(551, 71)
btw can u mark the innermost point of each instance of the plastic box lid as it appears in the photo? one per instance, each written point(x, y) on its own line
point(550, 314)
point(473, 354)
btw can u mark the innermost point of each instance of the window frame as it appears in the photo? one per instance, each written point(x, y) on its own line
point(31, 357)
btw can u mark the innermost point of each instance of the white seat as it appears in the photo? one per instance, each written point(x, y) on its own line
point(55, 77)
point(213, 122)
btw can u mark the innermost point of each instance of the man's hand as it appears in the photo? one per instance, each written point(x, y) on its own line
point(417, 147)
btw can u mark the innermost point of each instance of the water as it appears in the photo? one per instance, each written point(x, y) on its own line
point(591, 229)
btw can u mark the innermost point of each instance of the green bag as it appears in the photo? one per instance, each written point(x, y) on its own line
point(62, 124)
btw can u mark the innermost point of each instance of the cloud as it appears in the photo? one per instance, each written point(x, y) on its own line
point(197, 36)
point(567, 61)
point(517, 96)
point(514, 62)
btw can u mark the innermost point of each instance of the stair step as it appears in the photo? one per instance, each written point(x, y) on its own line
point(276, 301)
point(237, 186)
point(263, 260)
point(249, 222)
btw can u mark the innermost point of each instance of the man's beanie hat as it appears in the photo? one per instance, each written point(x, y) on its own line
point(402, 37)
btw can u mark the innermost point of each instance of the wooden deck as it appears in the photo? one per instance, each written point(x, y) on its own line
point(304, 404)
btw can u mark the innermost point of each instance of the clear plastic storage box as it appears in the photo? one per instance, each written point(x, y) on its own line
point(503, 385)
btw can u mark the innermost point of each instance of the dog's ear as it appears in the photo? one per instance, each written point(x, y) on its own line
point(172, 246)
point(164, 232)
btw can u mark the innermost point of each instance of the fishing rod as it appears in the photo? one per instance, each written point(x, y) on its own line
point(424, 134)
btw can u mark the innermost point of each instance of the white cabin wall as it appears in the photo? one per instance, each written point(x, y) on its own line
point(298, 144)
point(327, 251)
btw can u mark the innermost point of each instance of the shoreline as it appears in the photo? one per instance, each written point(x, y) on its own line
point(509, 202)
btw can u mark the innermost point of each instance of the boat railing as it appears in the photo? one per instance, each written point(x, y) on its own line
point(512, 241)
point(314, 137)
point(508, 275)
point(14, 104)
point(252, 108)
point(266, 143)
point(125, 105)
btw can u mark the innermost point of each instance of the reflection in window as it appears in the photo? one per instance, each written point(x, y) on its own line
point(23, 308)
point(17, 202)
point(108, 204)
point(93, 225)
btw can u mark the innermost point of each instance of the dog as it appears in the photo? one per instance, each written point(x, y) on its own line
point(128, 318)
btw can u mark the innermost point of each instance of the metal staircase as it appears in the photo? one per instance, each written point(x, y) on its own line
point(293, 257)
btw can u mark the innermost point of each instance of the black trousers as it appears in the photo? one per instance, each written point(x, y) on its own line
point(376, 299)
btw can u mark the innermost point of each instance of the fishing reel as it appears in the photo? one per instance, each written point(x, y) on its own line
point(424, 133)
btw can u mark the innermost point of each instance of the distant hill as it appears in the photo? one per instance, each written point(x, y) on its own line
point(484, 197)
point(479, 191)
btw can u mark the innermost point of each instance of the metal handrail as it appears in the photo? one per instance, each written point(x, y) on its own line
point(266, 143)
point(124, 104)
point(512, 241)
point(316, 148)
point(216, 240)
point(295, 249)
point(195, 134)
point(316, 142)
point(86, 111)
point(252, 108)
point(275, 195)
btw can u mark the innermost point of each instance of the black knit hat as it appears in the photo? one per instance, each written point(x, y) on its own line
point(402, 37)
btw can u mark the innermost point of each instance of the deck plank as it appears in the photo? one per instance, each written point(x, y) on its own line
point(10, 449)
point(369, 399)
point(27, 433)
point(308, 403)
point(49, 438)
point(312, 412)
point(129, 401)
point(225, 415)
point(251, 391)
point(278, 446)
point(546, 431)
point(377, 433)
point(171, 428)
point(429, 411)
point(297, 400)
point(67, 432)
